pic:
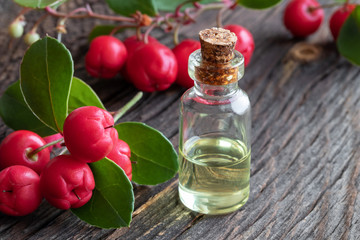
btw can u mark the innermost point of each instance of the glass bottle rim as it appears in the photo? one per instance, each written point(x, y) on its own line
point(237, 60)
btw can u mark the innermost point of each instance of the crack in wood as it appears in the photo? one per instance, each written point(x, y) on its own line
point(196, 219)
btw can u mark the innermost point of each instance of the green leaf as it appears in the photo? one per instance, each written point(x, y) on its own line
point(17, 115)
point(153, 156)
point(112, 202)
point(170, 6)
point(82, 94)
point(258, 4)
point(46, 75)
point(39, 3)
point(348, 41)
point(103, 30)
point(128, 8)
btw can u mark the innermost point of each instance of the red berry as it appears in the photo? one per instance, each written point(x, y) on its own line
point(19, 190)
point(131, 44)
point(67, 183)
point(303, 17)
point(15, 149)
point(152, 67)
point(105, 57)
point(52, 138)
point(245, 41)
point(89, 134)
point(182, 52)
point(121, 156)
point(338, 18)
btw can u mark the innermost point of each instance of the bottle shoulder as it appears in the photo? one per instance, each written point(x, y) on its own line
point(238, 102)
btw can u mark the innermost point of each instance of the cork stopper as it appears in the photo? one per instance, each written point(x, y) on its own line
point(217, 51)
point(217, 45)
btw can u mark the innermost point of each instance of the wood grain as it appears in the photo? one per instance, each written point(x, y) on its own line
point(306, 136)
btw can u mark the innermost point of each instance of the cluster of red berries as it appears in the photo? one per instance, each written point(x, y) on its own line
point(66, 181)
point(152, 66)
point(304, 17)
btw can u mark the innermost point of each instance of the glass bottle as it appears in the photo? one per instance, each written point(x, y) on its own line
point(214, 146)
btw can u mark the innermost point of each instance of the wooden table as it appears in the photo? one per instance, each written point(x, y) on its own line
point(305, 147)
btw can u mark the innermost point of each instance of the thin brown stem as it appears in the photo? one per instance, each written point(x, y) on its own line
point(147, 32)
point(176, 34)
point(89, 14)
point(113, 18)
point(120, 27)
point(219, 16)
point(22, 12)
point(197, 5)
point(77, 10)
point(138, 34)
point(20, 17)
point(37, 23)
point(233, 6)
point(190, 13)
point(178, 8)
point(206, 7)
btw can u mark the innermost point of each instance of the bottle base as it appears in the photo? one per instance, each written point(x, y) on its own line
point(213, 203)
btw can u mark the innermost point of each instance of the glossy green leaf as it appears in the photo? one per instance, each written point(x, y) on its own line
point(348, 41)
point(170, 6)
point(258, 4)
point(39, 3)
point(46, 75)
point(17, 115)
point(128, 8)
point(112, 202)
point(153, 156)
point(82, 94)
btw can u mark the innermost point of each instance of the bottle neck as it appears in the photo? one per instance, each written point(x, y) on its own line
point(215, 82)
point(215, 92)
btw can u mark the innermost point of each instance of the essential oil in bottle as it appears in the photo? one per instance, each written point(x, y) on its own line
point(214, 147)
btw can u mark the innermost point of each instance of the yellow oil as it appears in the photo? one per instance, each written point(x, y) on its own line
point(214, 174)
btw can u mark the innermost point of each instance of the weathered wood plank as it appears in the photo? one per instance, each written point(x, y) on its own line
point(306, 123)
